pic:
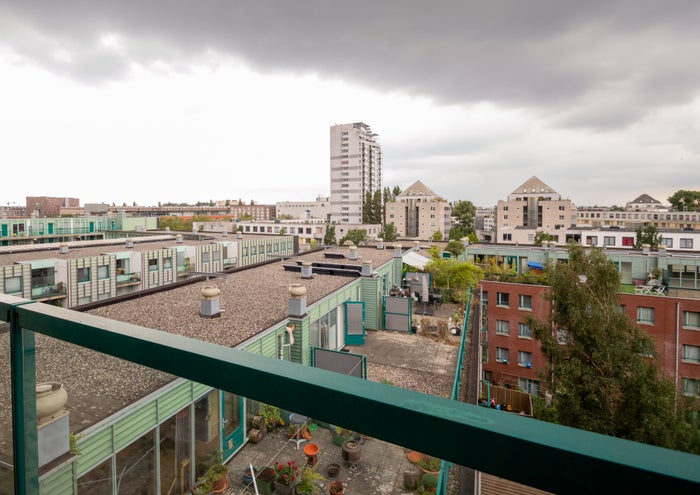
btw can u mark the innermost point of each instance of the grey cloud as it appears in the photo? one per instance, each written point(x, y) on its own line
point(542, 55)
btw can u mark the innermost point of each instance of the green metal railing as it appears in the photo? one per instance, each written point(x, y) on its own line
point(544, 455)
point(445, 465)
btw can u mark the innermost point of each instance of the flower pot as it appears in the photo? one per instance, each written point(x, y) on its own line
point(282, 489)
point(336, 488)
point(265, 480)
point(248, 476)
point(333, 470)
point(352, 451)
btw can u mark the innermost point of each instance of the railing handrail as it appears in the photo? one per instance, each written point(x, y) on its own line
point(535, 453)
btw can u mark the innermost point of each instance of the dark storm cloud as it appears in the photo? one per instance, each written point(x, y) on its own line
point(583, 64)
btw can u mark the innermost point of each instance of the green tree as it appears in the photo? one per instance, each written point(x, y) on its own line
point(377, 208)
point(329, 237)
point(597, 364)
point(437, 236)
point(455, 248)
point(647, 235)
point(388, 233)
point(464, 212)
point(685, 200)
point(457, 232)
point(355, 235)
point(457, 277)
point(367, 208)
point(542, 236)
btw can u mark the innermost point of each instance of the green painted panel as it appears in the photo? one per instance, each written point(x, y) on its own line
point(94, 450)
point(254, 347)
point(269, 345)
point(135, 425)
point(59, 483)
point(199, 389)
point(174, 400)
point(370, 296)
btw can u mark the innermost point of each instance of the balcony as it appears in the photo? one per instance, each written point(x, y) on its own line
point(49, 292)
point(127, 279)
point(535, 453)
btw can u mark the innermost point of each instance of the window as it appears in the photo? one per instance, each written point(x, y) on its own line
point(667, 242)
point(153, 265)
point(503, 327)
point(507, 237)
point(205, 257)
point(645, 315)
point(167, 263)
point(502, 355)
point(525, 359)
point(505, 208)
point(691, 319)
point(524, 331)
point(524, 301)
point(502, 299)
point(83, 274)
point(217, 255)
point(690, 387)
point(563, 336)
point(608, 240)
point(691, 354)
point(103, 272)
point(13, 285)
point(532, 387)
point(253, 250)
point(686, 244)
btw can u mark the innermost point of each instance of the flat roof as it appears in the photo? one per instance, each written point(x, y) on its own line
point(252, 300)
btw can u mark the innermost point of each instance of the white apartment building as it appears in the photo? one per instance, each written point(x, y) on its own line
point(531, 207)
point(304, 210)
point(418, 213)
point(356, 168)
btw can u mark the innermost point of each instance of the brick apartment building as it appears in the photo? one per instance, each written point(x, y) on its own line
point(511, 356)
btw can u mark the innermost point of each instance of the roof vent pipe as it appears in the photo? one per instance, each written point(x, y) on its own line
point(662, 250)
point(306, 270)
point(129, 243)
point(239, 235)
point(297, 300)
point(210, 302)
point(366, 268)
point(397, 250)
point(63, 248)
point(416, 245)
point(353, 253)
point(380, 243)
point(178, 238)
point(646, 248)
point(225, 234)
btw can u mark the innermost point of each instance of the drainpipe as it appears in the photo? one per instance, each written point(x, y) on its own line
point(675, 376)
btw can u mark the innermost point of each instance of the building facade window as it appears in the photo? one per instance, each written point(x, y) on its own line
point(502, 299)
point(83, 274)
point(685, 243)
point(503, 327)
point(502, 355)
point(507, 237)
point(524, 301)
point(691, 320)
point(525, 359)
point(645, 315)
point(691, 354)
point(608, 240)
point(690, 387)
point(102, 272)
point(13, 285)
point(153, 265)
point(524, 331)
point(532, 387)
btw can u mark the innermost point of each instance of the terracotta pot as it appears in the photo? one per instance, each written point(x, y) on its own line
point(336, 488)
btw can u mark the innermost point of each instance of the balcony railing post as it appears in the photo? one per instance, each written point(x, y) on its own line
point(25, 446)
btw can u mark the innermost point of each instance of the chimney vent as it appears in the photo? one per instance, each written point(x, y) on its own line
point(366, 268)
point(397, 250)
point(297, 300)
point(380, 243)
point(353, 253)
point(306, 270)
point(210, 302)
point(63, 248)
point(178, 238)
point(129, 243)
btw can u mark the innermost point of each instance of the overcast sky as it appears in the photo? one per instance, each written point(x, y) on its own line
point(184, 101)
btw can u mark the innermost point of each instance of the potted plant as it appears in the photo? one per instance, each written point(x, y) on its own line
point(336, 488)
point(307, 485)
point(265, 480)
point(429, 482)
point(217, 473)
point(271, 416)
point(340, 435)
point(202, 487)
point(286, 474)
point(429, 464)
